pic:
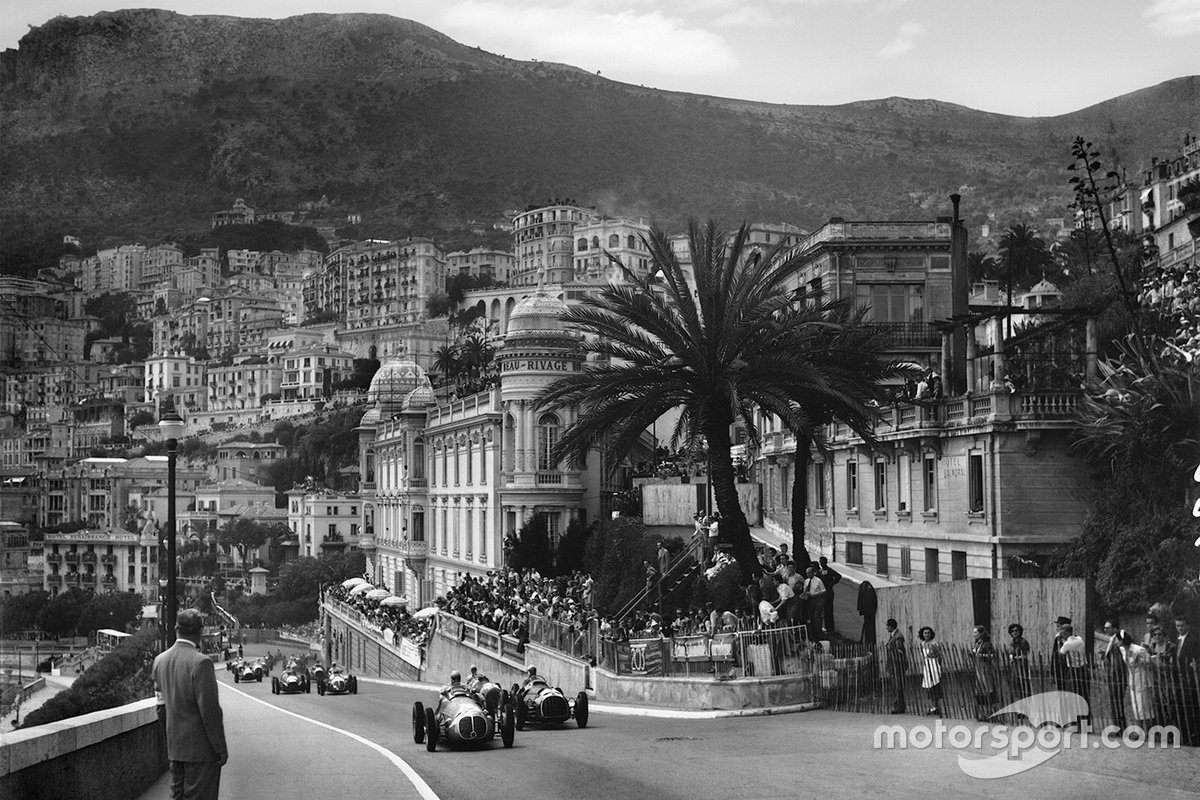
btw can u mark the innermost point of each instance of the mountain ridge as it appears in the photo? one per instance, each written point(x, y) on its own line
point(142, 122)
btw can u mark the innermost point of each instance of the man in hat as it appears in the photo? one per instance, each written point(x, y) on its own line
point(1058, 665)
point(185, 685)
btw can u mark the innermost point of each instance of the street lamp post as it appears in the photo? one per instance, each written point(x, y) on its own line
point(172, 427)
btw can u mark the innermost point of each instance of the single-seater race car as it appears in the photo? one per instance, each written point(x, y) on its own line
point(461, 717)
point(244, 670)
point(290, 681)
point(539, 703)
point(336, 681)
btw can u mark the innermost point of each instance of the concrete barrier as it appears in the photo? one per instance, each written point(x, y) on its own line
point(106, 755)
point(704, 693)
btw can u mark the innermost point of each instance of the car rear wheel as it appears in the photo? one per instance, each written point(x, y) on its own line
point(321, 688)
point(274, 686)
point(506, 725)
point(260, 677)
point(236, 678)
point(581, 709)
point(353, 685)
point(418, 723)
point(431, 730)
point(522, 714)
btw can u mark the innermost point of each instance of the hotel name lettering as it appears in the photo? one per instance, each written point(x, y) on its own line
point(539, 365)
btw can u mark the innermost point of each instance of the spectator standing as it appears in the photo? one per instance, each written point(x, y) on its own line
point(1058, 666)
point(1018, 656)
point(1141, 688)
point(1187, 662)
point(897, 664)
point(931, 668)
point(1074, 653)
point(868, 605)
point(186, 686)
point(664, 558)
point(830, 577)
point(983, 653)
point(1116, 673)
point(812, 593)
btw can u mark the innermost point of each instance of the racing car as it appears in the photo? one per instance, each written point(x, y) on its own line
point(462, 718)
point(538, 703)
point(247, 670)
point(290, 681)
point(336, 681)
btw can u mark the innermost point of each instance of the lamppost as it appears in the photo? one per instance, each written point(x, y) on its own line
point(171, 426)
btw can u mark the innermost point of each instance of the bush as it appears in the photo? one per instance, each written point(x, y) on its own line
point(123, 676)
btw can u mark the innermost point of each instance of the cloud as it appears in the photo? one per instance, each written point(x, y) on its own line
point(906, 39)
point(622, 44)
point(1174, 18)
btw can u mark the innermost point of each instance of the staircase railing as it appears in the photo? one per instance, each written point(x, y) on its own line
point(678, 570)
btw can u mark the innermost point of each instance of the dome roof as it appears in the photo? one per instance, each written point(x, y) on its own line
point(419, 397)
point(393, 382)
point(540, 312)
point(372, 417)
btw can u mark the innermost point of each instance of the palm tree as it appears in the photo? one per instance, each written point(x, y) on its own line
point(848, 352)
point(445, 361)
point(1024, 256)
point(735, 346)
point(980, 266)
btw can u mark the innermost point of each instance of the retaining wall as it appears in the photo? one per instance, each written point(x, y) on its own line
point(82, 757)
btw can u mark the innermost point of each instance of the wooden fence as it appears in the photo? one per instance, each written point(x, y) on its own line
point(861, 678)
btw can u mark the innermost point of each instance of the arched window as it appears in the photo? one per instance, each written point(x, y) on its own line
point(595, 241)
point(581, 245)
point(417, 467)
point(631, 242)
point(510, 444)
point(547, 438)
point(614, 241)
point(370, 466)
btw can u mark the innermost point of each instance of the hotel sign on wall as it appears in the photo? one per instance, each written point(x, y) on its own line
point(539, 365)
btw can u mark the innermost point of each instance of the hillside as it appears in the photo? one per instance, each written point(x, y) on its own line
point(137, 124)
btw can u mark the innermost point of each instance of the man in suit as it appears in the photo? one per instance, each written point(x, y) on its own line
point(185, 684)
point(830, 577)
point(1058, 665)
point(1187, 661)
point(897, 664)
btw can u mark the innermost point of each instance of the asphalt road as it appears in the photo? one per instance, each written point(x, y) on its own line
point(361, 745)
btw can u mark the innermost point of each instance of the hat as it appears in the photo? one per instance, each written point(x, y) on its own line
point(190, 622)
point(1063, 620)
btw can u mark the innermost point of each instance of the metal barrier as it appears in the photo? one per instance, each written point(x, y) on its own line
point(570, 638)
point(738, 654)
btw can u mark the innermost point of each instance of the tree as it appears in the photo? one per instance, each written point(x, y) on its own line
point(445, 361)
point(980, 267)
point(572, 548)
point(530, 548)
point(60, 616)
point(718, 356)
point(116, 610)
point(244, 534)
point(1023, 258)
point(19, 612)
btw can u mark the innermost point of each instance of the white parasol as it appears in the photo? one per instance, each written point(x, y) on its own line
point(377, 594)
point(394, 601)
point(353, 582)
point(362, 588)
point(426, 613)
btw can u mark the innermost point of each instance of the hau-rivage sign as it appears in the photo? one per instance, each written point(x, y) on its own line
point(539, 365)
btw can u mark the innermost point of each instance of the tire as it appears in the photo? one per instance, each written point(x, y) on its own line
point(321, 688)
point(431, 730)
point(274, 686)
point(522, 714)
point(418, 723)
point(260, 677)
point(307, 687)
point(353, 685)
point(236, 678)
point(506, 725)
point(581, 709)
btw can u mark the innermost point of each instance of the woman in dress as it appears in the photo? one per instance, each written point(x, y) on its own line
point(1141, 683)
point(983, 653)
point(931, 668)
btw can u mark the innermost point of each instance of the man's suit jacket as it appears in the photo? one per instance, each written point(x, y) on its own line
point(1189, 649)
point(187, 683)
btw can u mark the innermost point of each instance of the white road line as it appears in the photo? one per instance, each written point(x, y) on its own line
point(423, 788)
point(639, 711)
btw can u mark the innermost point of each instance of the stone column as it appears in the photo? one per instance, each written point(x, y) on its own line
point(998, 337)
point(970, 358)
point(1092, 346)
point(947, 375)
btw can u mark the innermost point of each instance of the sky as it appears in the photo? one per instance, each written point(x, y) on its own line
point(1028, 58)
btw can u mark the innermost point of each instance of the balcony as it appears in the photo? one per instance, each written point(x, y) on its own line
point(108, 558)
point(109, 580)
point(910, 334)
point(88, 579)
point(54, 579)
point(54, 558)
point(72, 578)
point(549, 478)
point(88, 558)
point(72, 558)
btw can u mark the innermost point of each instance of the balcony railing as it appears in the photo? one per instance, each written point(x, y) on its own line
point(53, 558)
point(549, 478)
point(108, 580)
point(88, 578)
point(910, 334)
point(108, 558)
point(54, 579)
point(88, 558)
point(72, 577)
point(72, 558)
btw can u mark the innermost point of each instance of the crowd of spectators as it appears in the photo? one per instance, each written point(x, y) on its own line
point(504, 598)
point(398, 619)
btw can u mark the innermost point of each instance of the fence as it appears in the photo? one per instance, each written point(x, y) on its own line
point(759, 653)
point(861, 678)
point(576, 641)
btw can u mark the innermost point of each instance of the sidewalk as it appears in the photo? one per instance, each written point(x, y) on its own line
point(53, 686)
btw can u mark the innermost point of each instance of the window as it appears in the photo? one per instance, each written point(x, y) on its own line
point(854, 552)
point(470, 529)
point(929, 483)
point(547, 439)
point(418, 526)
point(931, 564)
point(818, 472)
point(892, 302)
point(332, 531)
point(881, 559)
point(457, 463)
point(470, 463)
point(958, 565)
point(880, 486)
point(852, 485)
point(975, 482)
point(418, 460)
point(614, 241)
point(906, 562)
point(904, 482)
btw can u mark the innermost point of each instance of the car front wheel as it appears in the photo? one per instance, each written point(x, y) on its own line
point(522, 714)
point(431, 730)
point(418, 723)
point(506, 725)
point(581, 709)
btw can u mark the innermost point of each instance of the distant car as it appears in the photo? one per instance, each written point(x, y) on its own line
point(461, 717)
point(290, 681)
point(337, 681)
point(539, 703)
point(247, 671)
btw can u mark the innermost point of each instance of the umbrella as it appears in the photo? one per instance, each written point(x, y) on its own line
point(377, 594)
point(394, 601)
point(353, 582)
point(426, 613)
point(362, 588)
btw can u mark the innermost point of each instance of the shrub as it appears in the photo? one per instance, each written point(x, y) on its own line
point(123, 676)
